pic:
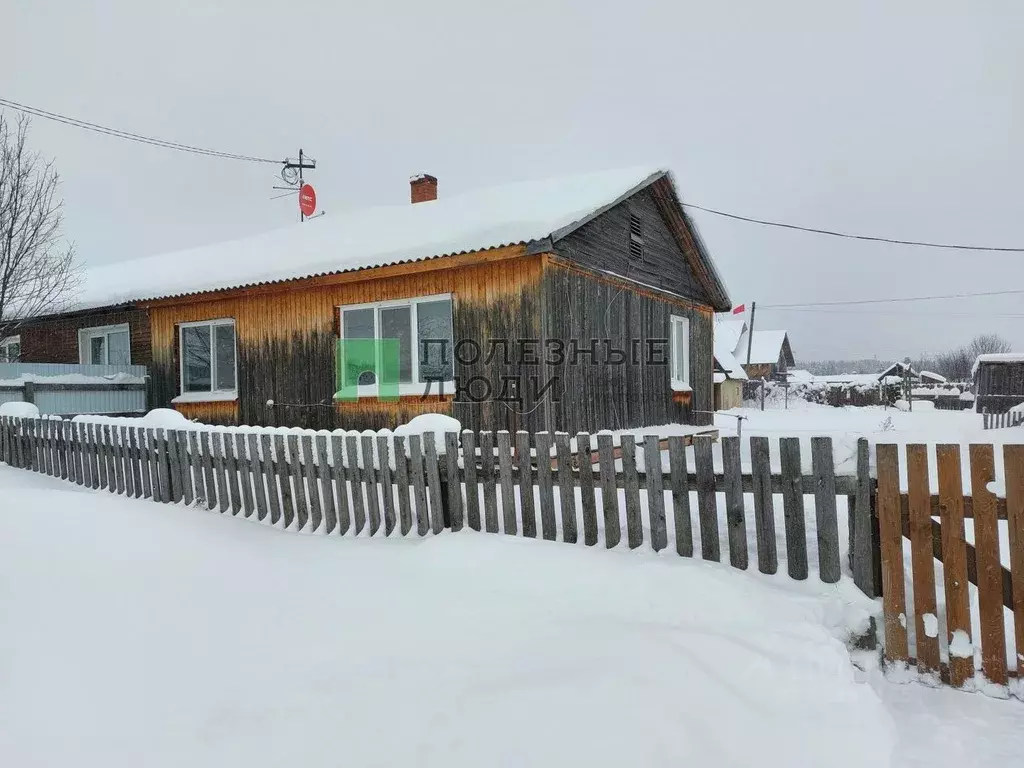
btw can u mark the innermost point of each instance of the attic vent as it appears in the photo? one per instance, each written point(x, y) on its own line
point(636, 240)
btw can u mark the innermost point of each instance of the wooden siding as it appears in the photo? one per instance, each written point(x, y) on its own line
point(55, 339)
point(603, 244)
point(286, 335)
point(1000, 386)
point(581, 305)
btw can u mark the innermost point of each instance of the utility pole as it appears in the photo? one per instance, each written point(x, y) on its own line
point(750, 330)
point(304, 162)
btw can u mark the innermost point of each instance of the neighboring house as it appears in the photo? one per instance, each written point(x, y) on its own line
point(570, 304)
point(930, 377)
point(768, 356)
point(999, 381)
point(900, 371)
point(729, 374)
point(10, 349)
point(103, 335)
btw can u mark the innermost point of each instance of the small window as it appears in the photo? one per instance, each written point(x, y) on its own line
point(208, 359)
point(105, 345)
point(679, 357)
point(423, 329)
point(636, 237)
point(10, 349)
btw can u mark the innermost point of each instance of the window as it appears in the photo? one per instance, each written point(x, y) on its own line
point(636, 237)
point(10, 349)
point(208, 358)
point(679, 356)
point(423, 330)
point(105, 345)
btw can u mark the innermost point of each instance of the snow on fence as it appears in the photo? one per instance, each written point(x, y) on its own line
point(1002, 420)
point(934, 523)
point(348, 483)
point(66, 390)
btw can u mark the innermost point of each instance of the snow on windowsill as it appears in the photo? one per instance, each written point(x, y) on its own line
point(206, 397)
point(681, 386)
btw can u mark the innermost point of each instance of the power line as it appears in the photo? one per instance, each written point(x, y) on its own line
point(847, 235)
point(891, 301)
point(117, 133)
point(933, 313)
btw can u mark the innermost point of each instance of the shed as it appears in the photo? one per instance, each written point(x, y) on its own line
point(998, 381)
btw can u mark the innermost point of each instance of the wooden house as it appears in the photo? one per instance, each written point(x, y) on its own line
point(998, 382)
point(570, 304)
point(768, 356)
point(729, 375)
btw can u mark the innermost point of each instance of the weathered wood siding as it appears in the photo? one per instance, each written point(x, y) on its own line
point(604, 244)
point(581, 305)
point(286, 340)
point(1000, 386)
point(54, 339)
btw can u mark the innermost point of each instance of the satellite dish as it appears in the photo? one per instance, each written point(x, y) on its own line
point(289, 175)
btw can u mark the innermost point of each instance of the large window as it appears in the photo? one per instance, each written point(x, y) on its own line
point(105, 345)
point(208, 358)
point(679, 356)
point(423, 329)
point(10, 349)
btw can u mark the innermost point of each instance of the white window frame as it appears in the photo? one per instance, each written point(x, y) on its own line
point(679, 325)
point(86, 334)
point(213, 394)
point(5, 345)
point(415, 387)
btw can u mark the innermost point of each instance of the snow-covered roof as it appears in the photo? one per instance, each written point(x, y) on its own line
point(933, 376)
point(898, 369)
point(343, 241)
point(997, 357)
point(728, 330)
point(726, 359)
point(799, 376)
point(766, 347)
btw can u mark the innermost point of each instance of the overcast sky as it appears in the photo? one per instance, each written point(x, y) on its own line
point(897, 119)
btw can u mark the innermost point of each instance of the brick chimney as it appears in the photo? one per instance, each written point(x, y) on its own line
point(423, 188)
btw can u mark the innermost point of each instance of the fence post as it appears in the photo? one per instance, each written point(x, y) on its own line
point(29, 393)
point(865, 552)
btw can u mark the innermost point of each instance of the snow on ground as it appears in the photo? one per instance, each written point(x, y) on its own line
point(144, 634)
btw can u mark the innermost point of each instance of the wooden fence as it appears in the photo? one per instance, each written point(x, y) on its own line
point(1002, 420)
point(345, 483)
point(934, 524)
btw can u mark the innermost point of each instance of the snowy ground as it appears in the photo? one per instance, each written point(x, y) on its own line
point(143, 634)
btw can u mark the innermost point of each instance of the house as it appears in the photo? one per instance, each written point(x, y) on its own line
point(116, 334)
point(729, 375)
point(930, 377)
point(767, 356)
point(569, 304)
point(900, 371)
point(998, 381)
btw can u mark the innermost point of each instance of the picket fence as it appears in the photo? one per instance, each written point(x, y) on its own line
point(934, 524)
point(344, 483)
point(1002, 420)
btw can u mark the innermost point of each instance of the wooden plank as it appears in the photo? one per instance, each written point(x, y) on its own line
point(46, 446)
point(81, 461)
point(472, 488)
point(370, 477)
point(316, 515)
point(259, 490)
point(403, 484)
point(567, 490)
point(387, 483)
point(451, 452)
point(284, 479)
point(509, 520)
point(128, 460)
point(195, 460)
point(145, 478)
point(864, 555)
point(109, 449)
point(184, 467)
point(271, 477)
point(355, 483)
point(434, 482)
point(634, 523)
point(339, 474)
point(1013, 464)
point(173, 465)
point(735, 516)
point(954, 559)
point(220, 471)
point(707, 504)
point(162, 460)
point(680, 496)
point(60, 435)
point(546, 495)
point(209, 470)
point(101, 455)
point(588, 501)
point(524, 466)
point(326, 485)
point(990, 577)
point(244, 464)
point(92, 454)
point(231, 470)
point(891, 535)
point(609, 493)
point(117, 450)
point(823, 467)
point(793, 507)
point(764, 505)
point(298, 481)
point(487, 476)
point(419, 485)
point(922, 563)
point(135, 452)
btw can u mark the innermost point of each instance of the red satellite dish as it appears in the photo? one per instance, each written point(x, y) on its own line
point(307, 199)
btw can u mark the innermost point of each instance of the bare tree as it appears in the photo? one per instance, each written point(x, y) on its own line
point(38, 271)
point(956, 364)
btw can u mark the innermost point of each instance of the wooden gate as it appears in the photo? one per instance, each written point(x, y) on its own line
point(931, 513)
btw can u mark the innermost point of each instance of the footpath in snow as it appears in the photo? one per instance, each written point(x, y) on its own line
point(139, 634)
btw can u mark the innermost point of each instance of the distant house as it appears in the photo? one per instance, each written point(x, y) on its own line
point(899, 371)
point(998, 381)
point(770, 354)
point(729, 374)
point(930, 377)
point(570, 304)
